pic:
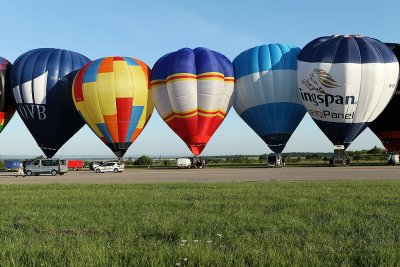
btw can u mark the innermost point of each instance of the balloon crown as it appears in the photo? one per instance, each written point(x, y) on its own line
point(349, 35)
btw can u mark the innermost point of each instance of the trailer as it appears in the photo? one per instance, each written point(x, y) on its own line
point(75, 164)
point(12, 165)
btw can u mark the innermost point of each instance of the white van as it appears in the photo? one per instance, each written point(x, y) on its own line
point(50, 166)
point(393, 159)
point(183, 163)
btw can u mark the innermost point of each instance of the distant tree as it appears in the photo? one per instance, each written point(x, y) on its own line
point(376, 150)
point(214, 160)
point(129, 161)
point(263, 158)
point(314, 157)
point(143, 160)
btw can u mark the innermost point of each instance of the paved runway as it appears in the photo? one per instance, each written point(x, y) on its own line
point(211, 175)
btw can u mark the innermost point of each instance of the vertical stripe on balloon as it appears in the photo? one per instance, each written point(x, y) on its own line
point(124, 107)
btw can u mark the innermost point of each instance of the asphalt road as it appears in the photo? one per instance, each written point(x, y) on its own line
point(130, 176)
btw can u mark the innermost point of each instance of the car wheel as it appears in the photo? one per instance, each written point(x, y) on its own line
point(115, 170)
point(29, 173)
point(53, 172)
point(97, 170)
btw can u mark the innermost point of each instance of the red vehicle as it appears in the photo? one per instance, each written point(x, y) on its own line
point(75, 164)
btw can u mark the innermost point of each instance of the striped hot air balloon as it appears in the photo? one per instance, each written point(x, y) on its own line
point(192, 90)
point(41, 80)
point(345, 82)
point(112, 95)
point(7, 108)
point(266, 95)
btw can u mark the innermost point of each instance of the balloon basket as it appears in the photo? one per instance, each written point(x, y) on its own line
point(339, 156)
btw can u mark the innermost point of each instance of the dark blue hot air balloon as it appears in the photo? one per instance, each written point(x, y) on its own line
point(345, 82)
point(41, 81)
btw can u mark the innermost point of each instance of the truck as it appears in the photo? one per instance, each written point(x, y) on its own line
point(12, 165)
point(75, 164)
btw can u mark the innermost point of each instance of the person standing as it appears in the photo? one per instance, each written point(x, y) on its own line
point(20, 170)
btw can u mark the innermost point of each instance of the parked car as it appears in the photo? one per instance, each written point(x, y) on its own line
point(94, 164)
point(109, 167)
point(184, 163)
point(50, 166)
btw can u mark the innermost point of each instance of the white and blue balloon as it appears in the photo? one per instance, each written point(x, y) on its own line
point(266, 95)
point(345, 82)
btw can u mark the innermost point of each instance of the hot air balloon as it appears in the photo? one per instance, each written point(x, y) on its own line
point(266, 95)
point(192, 91)
point(112, 95)
point(7, 108)
point(41, 80)
point(345, 81)
point(387, 126)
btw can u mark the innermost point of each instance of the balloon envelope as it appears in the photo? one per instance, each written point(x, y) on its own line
point(41, 80)
point(387, 125)
point(266, 95)
point(7, 108)
point(192, 92)
point(112, 95)
point(345, 82)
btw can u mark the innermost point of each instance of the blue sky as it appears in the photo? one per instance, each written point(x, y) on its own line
point(149, 29)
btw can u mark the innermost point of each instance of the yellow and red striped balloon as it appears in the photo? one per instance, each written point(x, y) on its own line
point(112, 95)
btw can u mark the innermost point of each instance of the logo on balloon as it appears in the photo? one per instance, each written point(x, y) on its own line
point(31, 98)
point(318, 80)
point(32, 111)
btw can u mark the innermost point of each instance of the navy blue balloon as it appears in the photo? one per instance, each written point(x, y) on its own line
point(41, 80)
point(345, 82)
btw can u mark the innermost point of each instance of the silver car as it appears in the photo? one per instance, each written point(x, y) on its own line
point(109, 167)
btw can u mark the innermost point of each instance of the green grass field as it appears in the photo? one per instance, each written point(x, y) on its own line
point(235, 224)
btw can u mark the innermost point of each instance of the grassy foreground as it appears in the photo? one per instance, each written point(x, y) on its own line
point(235, 224)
